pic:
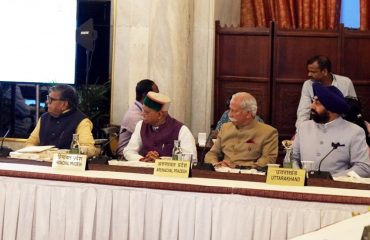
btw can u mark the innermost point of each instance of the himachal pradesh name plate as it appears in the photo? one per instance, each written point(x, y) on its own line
point(65, 161)
point(285, 176)
point(172, 168)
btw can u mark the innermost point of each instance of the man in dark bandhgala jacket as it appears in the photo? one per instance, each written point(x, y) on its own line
point(62, 120)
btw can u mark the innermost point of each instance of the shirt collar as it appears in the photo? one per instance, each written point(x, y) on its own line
point(139, 105)
point(329, 124)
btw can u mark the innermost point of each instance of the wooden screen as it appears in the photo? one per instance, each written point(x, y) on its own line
point(243, 63)
point(292, 50)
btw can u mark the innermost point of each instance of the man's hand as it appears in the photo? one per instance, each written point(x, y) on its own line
point(151, 156)
point(225, 163)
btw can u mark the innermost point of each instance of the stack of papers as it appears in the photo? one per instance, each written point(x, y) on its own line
point(37, 153)
point(352, 177)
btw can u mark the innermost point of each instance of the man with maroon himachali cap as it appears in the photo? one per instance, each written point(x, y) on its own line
point(154, 136)
point(317, 137)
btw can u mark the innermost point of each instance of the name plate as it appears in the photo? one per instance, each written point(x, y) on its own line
point(69, 161)
point(285, 176)
point(172, 168)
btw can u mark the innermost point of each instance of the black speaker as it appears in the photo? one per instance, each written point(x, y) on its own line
point(100, 12)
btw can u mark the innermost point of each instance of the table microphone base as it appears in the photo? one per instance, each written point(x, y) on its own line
point(4, 151)
point(319, 174)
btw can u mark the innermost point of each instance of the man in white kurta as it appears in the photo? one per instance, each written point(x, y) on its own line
point(154, 136)
point(319, 70)
point(315, 138)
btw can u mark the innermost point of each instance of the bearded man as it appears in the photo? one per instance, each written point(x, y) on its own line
point(317, 137)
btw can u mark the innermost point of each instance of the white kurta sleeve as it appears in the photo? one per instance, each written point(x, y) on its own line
point(188, 142)
point(131, 151)
point(351, 90)
point(303, 111)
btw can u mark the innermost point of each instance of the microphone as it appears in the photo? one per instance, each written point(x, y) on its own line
point(324, 174)
point(4, 151)
point(103, 158)
point(201, 165)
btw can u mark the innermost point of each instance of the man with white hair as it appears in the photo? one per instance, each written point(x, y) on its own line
point(154, 136)
point(244, 141)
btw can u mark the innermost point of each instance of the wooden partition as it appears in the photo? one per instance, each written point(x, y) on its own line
point(356, 64)
point(243, 63)
point(292, 49)
point(271, 64)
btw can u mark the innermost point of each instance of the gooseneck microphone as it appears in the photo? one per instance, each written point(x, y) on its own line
point(4, 151)
point(324, 174)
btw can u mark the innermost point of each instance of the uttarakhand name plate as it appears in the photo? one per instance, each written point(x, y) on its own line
point(285, 176)
point(172, 168)
point(65, 161)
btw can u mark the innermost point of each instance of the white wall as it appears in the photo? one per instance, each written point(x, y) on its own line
point(172, 43)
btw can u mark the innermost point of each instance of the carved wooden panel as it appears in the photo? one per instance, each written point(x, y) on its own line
point(285, 106)
point(244, 55)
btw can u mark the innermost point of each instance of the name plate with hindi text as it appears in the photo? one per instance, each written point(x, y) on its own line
point(65, 161)
point(285, 176)
point(172, 168)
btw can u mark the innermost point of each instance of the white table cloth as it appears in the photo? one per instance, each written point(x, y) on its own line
point(44, 209)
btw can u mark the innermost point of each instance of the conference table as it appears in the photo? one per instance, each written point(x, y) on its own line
point(115, 202)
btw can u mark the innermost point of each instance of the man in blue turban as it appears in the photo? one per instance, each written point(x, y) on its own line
point(317, 137)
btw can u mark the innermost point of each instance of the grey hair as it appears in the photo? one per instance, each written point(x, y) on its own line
point(247, 102)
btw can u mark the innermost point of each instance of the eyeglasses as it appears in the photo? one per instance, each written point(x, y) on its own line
point(51, 99)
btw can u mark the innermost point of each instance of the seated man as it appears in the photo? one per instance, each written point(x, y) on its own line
point(62, 120)
point(244, 141)
point(316, 138)
point(154, 135)
point(354, 115)
point(225, 117)
point(134, 114)
point(319, 70)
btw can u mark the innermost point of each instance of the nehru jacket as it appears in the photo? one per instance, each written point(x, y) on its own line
point(313, 142)
point(253, 145)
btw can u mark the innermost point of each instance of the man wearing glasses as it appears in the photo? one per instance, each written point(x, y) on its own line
point(62, 120)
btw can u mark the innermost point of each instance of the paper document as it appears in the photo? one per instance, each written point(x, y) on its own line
point(34, 149)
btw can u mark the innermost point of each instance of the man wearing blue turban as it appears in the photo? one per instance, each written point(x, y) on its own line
point(315, 138)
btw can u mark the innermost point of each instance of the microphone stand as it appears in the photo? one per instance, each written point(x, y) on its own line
point(4, 151)
point(324, 174)
point(201, 165)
